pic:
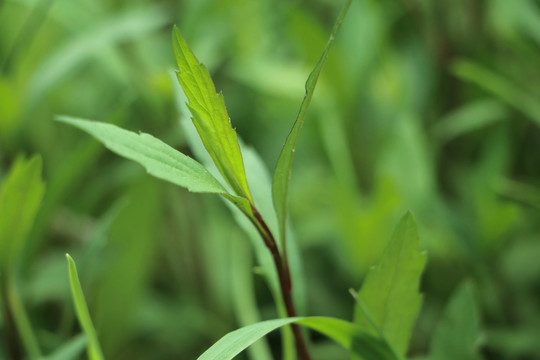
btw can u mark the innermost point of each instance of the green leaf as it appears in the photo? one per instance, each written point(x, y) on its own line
point(389, 301)
point(70, 350)
point(344, 333)
point(282, 173)
point(117, 29)
point(94, 349)
point(158, 158)
point(20, 198)
point(210, 117)
point(458, 333)
point(469, 117)
point(499, 86)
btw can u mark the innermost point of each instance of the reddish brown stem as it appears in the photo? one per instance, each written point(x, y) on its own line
point(285, 284)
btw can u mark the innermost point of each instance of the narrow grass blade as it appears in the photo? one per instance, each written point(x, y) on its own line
point(468, 118)
point(282, 173)
point(22, 321)
point(210, 117)
point(21, 193)
point(158, 158)
point(458, 333)
point(498, 86)
point(389, 301)
point(344, 333)
point(94, 349)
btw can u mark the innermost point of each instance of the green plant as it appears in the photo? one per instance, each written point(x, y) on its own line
point(387, 304)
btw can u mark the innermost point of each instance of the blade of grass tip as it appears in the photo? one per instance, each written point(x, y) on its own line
point(282, 173)
point(94, 349)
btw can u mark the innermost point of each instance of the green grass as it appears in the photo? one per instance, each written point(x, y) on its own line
point(427, 107)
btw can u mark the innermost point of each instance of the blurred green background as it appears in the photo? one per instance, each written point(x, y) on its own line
point(427, 105)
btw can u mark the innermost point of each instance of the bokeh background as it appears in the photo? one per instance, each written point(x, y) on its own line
point(429, 106)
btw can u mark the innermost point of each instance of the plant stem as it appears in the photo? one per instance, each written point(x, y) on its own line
point(17, 317)
point(11, 340)
point(285, 283)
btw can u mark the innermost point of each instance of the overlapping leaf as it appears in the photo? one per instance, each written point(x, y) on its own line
point(389, 301)
point(210, 117)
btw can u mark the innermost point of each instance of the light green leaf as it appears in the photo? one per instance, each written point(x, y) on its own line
point(20, 198)
point(458, 333)
point(70, 350)
point(158, 158)
point(282, 173)
point(210, 117)
point(389, 301)
point(344, 333)
point(94, 349)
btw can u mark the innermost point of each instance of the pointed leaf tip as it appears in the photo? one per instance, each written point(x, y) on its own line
point(390, 295)
point(82, 312)
point(210, 117)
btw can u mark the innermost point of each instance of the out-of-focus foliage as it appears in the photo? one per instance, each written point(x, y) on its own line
point(429, 106)
point(389, 302)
